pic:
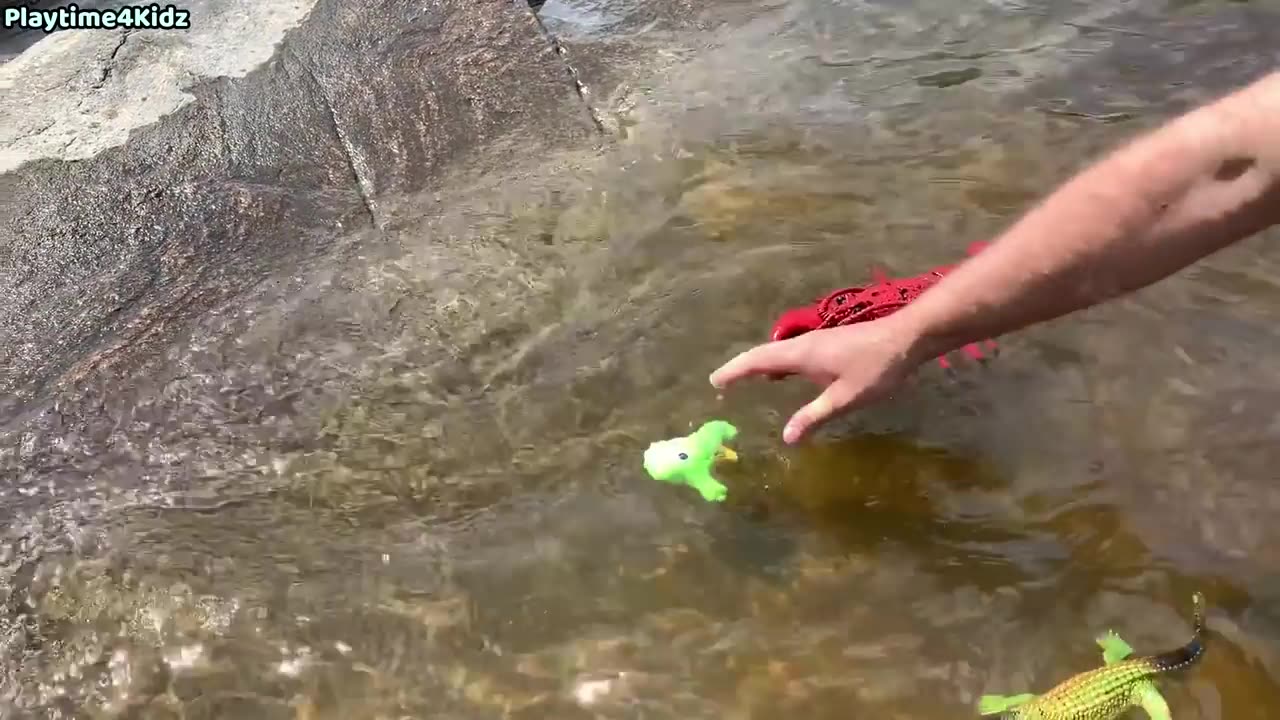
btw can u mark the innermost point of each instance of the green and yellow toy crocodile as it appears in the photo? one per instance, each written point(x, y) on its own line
point(1106, 693)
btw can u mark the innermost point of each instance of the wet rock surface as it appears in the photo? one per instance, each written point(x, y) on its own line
point(230, 173)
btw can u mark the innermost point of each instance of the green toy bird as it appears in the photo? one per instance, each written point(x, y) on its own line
point(688, 460)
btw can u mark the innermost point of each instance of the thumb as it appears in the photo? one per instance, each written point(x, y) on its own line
point(837, 395)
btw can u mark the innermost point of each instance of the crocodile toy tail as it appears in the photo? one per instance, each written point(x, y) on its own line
point(1189, 653)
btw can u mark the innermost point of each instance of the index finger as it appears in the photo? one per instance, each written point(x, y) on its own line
point(771, 358)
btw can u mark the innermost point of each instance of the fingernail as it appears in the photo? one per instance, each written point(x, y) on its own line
point(789, 433)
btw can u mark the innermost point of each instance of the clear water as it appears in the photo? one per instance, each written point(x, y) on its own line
point(377, 492)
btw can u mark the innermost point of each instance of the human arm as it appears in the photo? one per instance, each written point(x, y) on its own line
point(1201, 182)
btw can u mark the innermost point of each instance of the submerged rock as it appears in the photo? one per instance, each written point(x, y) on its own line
point(1149, 60)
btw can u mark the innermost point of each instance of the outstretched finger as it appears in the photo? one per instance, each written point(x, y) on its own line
point(769, 358)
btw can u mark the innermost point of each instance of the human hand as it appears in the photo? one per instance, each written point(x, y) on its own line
point(857, 364)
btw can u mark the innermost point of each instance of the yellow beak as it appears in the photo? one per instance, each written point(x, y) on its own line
point(727, 454)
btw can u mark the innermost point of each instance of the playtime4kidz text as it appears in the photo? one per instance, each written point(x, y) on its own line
point(70, 17)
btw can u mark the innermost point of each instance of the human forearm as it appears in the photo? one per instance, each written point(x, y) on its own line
point(1198, 184)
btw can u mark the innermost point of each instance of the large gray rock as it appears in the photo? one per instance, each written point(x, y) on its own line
point(151, 175)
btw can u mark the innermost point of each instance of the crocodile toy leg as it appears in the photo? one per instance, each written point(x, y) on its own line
point(997, 704)
point(709, 487)
point(1114, 648)
point(1149, 699)
point(974, 351)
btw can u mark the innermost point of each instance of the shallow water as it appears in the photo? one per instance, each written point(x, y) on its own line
point(375, 492)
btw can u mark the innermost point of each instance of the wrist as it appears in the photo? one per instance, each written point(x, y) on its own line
point(923, 335)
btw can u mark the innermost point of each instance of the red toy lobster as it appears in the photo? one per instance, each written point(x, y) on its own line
point(884, 296)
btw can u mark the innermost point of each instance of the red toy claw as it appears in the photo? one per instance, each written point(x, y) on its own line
point(884, 296)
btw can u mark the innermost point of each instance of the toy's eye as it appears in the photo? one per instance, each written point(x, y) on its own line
point(684, 456)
